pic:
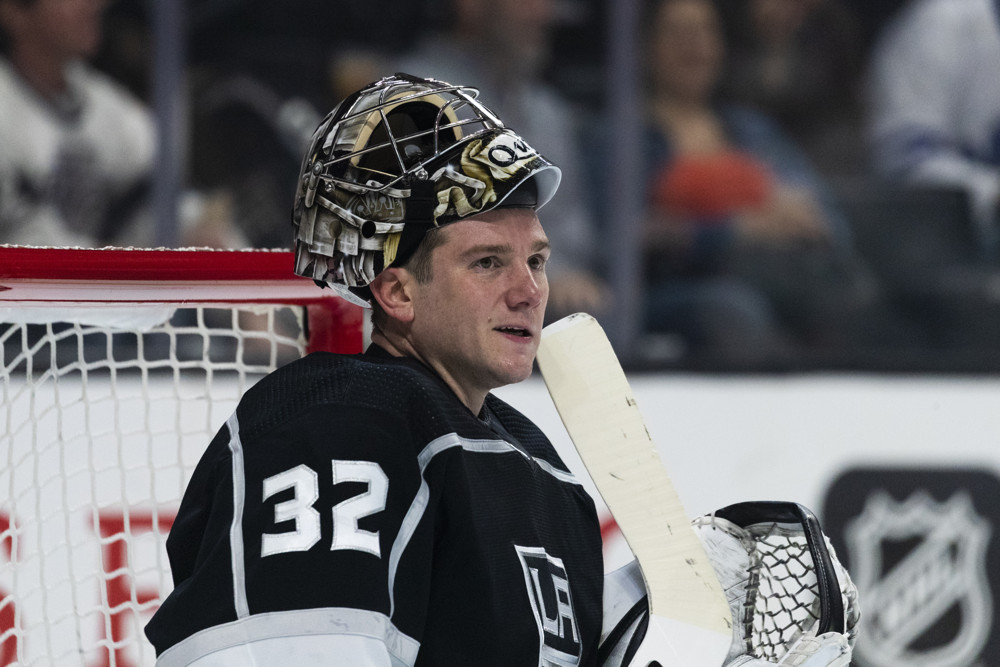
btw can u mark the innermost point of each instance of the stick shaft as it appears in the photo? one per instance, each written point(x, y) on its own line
point(597, 406)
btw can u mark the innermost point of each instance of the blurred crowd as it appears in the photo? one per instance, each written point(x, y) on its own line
point(821, 178)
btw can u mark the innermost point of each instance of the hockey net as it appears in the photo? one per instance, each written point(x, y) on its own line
point(119, 366)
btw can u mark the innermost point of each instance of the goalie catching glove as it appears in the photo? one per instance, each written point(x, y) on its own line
point(792, 602)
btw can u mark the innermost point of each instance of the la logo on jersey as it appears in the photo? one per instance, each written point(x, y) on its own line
point(548, 590)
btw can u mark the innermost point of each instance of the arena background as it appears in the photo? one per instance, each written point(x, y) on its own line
point(896, 446)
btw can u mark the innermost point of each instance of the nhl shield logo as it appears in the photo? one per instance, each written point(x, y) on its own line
point(918, 562)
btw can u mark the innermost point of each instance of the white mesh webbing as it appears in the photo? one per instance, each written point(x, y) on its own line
point(99, 431)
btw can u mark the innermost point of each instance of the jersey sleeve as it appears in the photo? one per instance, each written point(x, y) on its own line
point(292, 536)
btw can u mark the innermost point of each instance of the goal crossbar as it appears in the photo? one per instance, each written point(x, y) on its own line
point(94, 277)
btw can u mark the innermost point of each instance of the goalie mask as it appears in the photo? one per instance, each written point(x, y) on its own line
point(395, 159)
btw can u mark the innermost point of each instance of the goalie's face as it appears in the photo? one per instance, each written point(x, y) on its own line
point(478, 319)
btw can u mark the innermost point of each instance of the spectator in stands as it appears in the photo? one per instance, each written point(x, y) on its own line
point(746, 258)
point(76, 149)
point(503, 46)
point(935, 103)
point(799, 62)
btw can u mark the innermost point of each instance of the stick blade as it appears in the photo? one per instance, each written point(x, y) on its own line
point(690, 622)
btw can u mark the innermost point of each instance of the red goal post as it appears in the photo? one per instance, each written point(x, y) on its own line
point(119, 366)
point(32, 276)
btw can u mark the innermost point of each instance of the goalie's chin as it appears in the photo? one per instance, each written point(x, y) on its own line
point(515, 360)
point(513, 369)
point(520, 372)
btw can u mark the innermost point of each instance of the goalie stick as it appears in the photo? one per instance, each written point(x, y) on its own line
point(689, 619)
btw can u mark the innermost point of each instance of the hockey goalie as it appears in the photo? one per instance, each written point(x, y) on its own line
point(387, 509)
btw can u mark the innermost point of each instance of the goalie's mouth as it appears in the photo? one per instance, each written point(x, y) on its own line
point(520, 332)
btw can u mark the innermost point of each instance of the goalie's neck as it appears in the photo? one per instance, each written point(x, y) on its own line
point(401, 347)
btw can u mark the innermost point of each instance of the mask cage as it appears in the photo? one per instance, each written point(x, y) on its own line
point(389, 133)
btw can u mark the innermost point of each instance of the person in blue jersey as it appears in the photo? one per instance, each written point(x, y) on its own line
point(933, 102)
point(385, 508)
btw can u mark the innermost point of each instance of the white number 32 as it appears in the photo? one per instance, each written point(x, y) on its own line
point(299, 509)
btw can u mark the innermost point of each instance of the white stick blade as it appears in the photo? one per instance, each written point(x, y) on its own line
point(596, 404)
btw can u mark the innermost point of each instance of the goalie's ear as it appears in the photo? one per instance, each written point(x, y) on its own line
point(392, 290)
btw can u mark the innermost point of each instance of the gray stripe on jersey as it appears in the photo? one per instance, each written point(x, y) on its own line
point(403, 537)
point(419, 504)
point(561, 475)
point(330, 624)
point(236, 528)
point(486, 447)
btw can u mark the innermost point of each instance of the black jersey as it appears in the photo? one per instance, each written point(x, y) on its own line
point(354, 511)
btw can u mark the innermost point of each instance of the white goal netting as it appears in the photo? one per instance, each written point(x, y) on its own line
point(106, 410)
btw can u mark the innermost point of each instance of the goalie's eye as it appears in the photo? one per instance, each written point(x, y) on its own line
point(490, 262)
